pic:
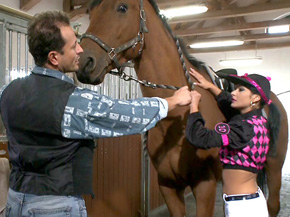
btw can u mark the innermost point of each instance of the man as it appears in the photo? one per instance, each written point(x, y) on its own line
point(51, 124)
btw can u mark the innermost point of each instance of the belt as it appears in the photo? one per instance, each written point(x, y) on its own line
point(242, 197)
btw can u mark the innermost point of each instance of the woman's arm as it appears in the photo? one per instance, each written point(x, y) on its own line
point(236, 134)
point(223, 98)
point(198, 135)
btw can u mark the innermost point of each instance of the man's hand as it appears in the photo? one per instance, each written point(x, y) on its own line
point(181, 97)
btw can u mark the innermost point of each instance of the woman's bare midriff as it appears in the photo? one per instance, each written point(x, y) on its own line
point(239, 182)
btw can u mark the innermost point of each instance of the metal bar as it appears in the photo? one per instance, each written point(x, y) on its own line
point(18, 51)
point(26, 55)
point(145, 176)
point(3, 139)
point(16, 28)
point(2, 54)
point(10, 55)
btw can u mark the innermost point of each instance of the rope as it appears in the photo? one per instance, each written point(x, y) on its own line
point(190, 83)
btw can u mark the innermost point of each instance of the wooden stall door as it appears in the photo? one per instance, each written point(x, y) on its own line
point(116, 178)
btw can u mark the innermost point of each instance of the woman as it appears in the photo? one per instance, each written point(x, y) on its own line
point(245, 139)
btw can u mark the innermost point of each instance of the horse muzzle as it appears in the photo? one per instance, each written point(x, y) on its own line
point(90, 70)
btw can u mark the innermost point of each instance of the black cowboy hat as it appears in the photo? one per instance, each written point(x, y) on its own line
point(259, 82)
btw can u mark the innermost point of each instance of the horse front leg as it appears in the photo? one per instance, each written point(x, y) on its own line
point(174, 200)
point(205, 195)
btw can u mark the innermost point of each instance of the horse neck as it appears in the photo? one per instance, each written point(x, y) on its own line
point(159, 62)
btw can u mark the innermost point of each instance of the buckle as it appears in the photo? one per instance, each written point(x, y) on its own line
point(112, 53)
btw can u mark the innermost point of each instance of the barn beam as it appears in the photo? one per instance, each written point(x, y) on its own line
point(77, 13)
point(260, 46)
point(25, 5)
point(236, 27)
point(75, 8)
point(245, 38)
point(257, 37)
point(234, 12)
point(79, 2)
point(67, 6)
point(168, 3)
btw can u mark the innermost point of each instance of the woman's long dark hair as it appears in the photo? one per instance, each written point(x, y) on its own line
point(273, 123)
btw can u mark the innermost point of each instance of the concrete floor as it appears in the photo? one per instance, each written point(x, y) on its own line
point(190, 202)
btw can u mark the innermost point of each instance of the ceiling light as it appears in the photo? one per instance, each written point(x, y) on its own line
point(241, 62)
point(223, 43)
point(184, 11)
point(278, 29)
point(281, 28)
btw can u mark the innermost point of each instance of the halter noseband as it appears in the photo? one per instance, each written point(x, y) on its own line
point(112, 52)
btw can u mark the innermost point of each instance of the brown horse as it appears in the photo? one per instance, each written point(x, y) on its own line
point(122, 30)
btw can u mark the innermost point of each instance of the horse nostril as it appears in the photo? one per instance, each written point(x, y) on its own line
point(90, 64)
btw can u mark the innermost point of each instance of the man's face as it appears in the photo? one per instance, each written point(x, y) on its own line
point(68, 61)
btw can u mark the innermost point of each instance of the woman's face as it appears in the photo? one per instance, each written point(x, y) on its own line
point(242, 98)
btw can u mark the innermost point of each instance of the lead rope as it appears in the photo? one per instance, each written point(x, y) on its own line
point(146, 83)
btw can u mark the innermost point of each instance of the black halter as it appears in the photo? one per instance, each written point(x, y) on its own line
point(112, 52)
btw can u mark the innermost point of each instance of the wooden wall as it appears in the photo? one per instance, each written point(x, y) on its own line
point(116, 178)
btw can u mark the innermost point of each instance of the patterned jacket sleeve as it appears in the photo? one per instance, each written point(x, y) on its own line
point(89, 115)
point(235, 134)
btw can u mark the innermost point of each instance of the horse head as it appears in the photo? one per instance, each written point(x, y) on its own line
point(115, 35)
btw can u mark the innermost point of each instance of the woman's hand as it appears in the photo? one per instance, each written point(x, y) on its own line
point(195, 98)
point(203, 83)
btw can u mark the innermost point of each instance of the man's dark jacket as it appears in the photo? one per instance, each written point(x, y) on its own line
point(43, 161)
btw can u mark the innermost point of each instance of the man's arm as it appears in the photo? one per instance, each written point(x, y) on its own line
point(90, 115)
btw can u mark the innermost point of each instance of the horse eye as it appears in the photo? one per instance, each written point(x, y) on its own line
point(122, 8)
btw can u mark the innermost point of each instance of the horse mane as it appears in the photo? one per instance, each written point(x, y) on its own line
point(195, 62)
